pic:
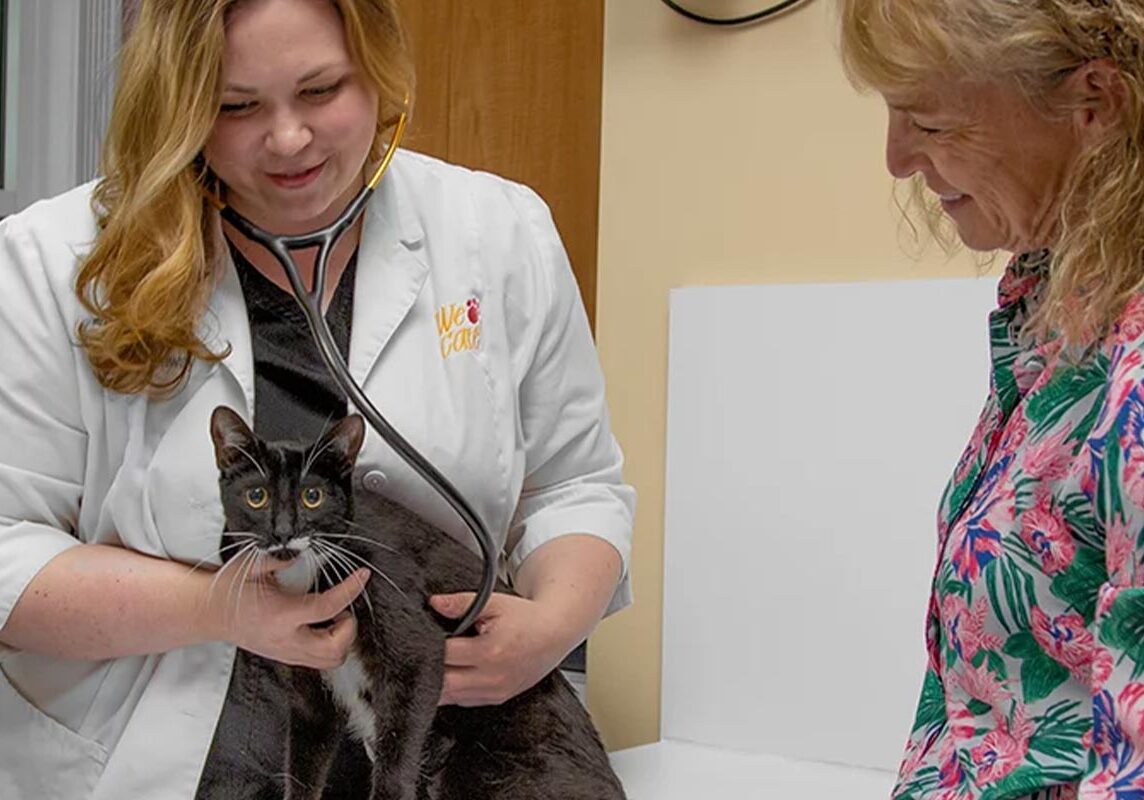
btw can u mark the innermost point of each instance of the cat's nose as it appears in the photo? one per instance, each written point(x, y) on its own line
point(286, 542)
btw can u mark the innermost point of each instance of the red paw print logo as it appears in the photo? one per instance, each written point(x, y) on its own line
point(474, 310)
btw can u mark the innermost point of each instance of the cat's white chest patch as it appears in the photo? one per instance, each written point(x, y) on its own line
point(299, 577)
point(348, 685)
point(348, 682)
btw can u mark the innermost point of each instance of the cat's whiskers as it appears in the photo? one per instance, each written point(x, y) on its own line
point(252, 562)
point(287, 776)
point(335, 564)
point(354, 557)
point(314, 452)
point(244, 542)
point(360, 538)
point(304, 558)
point(252, 459)
point(312, 558)
point(235, 562)
point(235, 585)
point(243, 536)
point(349, 567)
point(214, 585)
point(262, 586)
point(325, 567)
point(244, 539)
point(329, 559)
point(314, 457)
point(365, 539)
point(335, 560)
point(344, 555)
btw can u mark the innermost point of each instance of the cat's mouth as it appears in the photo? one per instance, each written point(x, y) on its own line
point(287, 551)
point(300, 567)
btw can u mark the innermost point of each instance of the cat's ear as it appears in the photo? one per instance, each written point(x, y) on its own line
point(344, 442)
point(232, 437)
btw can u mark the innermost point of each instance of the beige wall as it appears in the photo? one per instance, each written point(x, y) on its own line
point(729, 156)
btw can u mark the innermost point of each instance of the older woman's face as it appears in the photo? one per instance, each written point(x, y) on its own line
point(996, 162)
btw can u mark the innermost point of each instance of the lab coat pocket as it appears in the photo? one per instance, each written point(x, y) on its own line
point(41, 758)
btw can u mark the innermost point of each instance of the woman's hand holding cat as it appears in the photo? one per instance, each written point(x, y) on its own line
point(251, 611)
point(514, 648)
point(565, 585)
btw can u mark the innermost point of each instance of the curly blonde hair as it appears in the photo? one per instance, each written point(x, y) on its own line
point(149, 276)
point(897, 46)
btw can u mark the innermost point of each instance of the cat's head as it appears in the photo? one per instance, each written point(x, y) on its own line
point(283, 497)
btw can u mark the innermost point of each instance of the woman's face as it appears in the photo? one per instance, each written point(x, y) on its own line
point(996, 162)
point(297, 119)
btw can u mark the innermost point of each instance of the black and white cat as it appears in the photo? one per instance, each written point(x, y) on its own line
point(288, 500)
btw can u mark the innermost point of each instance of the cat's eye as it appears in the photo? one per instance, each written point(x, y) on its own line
point(312, 497)
point(257, 497)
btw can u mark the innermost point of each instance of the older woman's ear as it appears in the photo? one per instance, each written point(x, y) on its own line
point(1096, 93)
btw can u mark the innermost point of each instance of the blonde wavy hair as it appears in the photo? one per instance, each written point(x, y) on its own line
point(148, 279)
point(897, 46)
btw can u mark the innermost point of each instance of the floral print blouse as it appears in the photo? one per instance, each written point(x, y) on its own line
point(1035, 628)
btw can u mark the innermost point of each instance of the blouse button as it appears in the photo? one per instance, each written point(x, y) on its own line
point(374, 481)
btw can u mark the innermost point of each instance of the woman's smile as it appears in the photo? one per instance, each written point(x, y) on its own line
point(296, 179)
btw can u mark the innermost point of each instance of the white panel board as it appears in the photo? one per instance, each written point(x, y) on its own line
point(675, 771)
point(811, 430)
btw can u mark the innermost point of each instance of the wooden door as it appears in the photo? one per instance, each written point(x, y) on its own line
point(515, 87)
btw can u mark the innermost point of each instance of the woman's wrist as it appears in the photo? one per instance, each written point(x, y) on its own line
point(206, 607)
point(573, 579)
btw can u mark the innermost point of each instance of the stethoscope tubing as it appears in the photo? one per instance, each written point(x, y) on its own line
point(310, 300)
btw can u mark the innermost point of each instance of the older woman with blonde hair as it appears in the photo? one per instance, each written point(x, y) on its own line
point(1021, 125)
point(137, 311)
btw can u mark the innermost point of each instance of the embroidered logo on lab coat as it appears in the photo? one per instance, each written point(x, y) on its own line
point(459, 327)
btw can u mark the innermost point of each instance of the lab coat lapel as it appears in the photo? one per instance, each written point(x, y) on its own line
point(226, 325)
point(391, 269)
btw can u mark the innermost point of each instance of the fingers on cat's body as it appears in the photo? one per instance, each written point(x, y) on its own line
point(328, 647)
point(281, 626)
point(323, 606)
point(302, 645)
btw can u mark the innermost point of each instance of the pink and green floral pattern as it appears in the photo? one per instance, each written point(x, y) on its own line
point(1035, 630)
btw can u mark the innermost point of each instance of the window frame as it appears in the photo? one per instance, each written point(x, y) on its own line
point(58, 72)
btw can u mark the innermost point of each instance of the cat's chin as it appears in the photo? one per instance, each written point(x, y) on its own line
point(299, 575)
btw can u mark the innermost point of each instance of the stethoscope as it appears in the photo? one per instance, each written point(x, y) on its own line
point(311, 302)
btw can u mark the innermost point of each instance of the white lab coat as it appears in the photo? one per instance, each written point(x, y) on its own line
point(514, 415)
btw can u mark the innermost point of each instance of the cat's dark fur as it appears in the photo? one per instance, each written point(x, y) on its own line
point(539, 745)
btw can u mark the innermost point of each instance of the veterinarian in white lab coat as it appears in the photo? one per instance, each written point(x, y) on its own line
point(468, 332)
